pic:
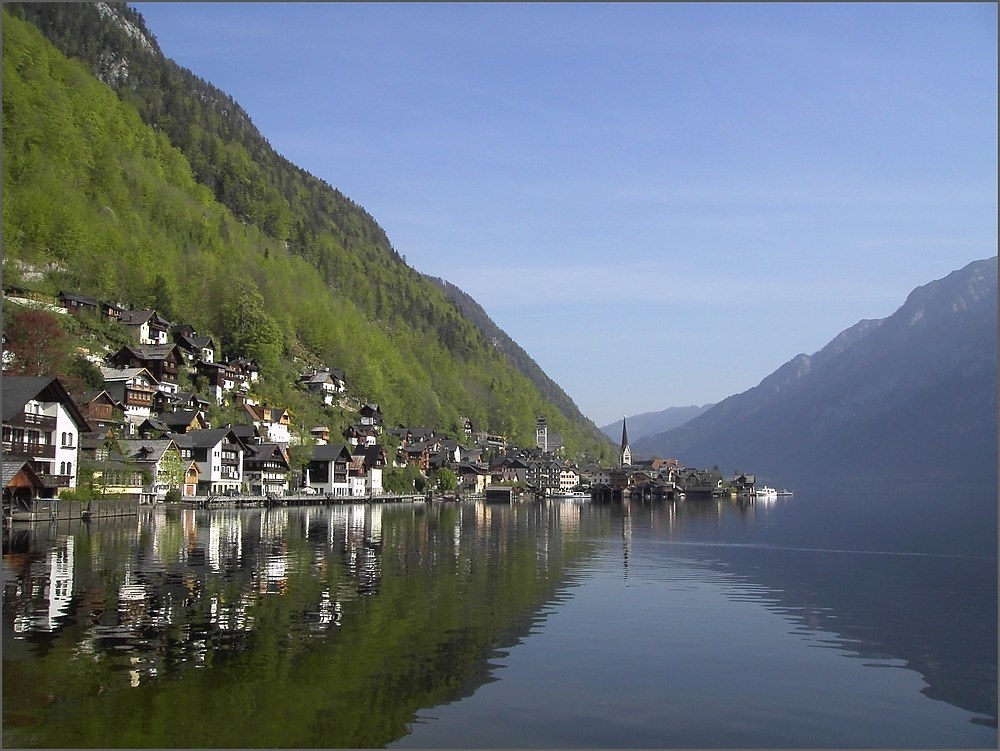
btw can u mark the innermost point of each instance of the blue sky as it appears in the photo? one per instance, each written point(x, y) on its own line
point(661, 203)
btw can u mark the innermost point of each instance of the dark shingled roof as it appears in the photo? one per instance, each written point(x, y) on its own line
point(19, 390)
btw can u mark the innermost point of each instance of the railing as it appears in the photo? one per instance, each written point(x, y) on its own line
point(31, 420)
point(32, 450)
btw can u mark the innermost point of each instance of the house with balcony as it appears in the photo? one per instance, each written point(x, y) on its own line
point(100, 410)
point(266, 469)
point(371, 415)
point(134, 389)
point(320, 434)
point(42, 426)
point(328, 470)
point(193, 347)
point(361, 435)
point(243, 371)
point(327, 383)
point(509, 469)
point(146, 326)
point(473, 477)
point(161, 360)
point(216, 377)
point(274, 423)
point(569, 478)
point(218, 452)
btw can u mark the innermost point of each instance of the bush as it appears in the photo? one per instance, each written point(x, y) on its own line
point(172, 496)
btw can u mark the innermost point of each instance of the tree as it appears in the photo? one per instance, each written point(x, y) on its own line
point(82, 375)
point(404, 480)
point(35, 344)
point(253, 331)
point(446, 480)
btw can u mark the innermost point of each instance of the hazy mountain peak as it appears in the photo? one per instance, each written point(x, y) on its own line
point(910, 397)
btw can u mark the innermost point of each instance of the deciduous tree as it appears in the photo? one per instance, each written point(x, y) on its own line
point(35, 344)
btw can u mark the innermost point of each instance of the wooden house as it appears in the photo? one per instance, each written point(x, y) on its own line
point(77, 304)
point(134, 389)
point(100, 409)
point(266, 469)
point(162, 360)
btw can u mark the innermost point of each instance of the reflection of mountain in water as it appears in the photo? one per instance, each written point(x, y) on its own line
point(935, 613)
point(340, 621)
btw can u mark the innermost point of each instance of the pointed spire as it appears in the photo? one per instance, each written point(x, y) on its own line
point(625, 453)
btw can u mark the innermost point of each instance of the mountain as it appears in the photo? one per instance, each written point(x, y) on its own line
point(131, 179)
point(911, 398)
point(651, 423)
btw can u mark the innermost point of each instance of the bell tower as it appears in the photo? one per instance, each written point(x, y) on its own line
point(624, 453)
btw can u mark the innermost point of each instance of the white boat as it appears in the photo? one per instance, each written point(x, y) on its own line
point(784, 492)
point(766, 493)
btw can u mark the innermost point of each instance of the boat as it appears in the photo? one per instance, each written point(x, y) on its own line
point(766, 493)
point(783, 492)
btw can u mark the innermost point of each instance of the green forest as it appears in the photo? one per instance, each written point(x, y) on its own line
point(155, 190)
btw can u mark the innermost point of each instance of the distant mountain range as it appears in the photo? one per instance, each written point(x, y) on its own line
point(911, 398)
point(651, 423)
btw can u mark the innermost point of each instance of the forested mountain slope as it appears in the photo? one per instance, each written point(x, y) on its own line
point(150, 187)
point(510, 349)
point(911, 397)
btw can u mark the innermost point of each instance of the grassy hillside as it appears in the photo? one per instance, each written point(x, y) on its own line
point(191, 212)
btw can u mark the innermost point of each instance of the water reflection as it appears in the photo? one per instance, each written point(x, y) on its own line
point(345, 621)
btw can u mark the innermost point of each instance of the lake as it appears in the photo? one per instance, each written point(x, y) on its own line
point(821, 620)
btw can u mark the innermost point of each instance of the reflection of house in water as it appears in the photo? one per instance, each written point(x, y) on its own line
point(225, 541)
point(274, 526)
point(568, 514)
point(41, 597)
point(362, 557)
point(60, 581)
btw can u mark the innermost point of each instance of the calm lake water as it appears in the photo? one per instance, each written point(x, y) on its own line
point(821, 620)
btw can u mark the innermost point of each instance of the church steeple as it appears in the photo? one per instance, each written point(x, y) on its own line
point(624, 453)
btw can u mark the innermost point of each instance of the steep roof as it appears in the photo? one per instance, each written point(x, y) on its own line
point(330, 452)
point(76, 297)
point(19, 390)
point(149, 351)
point(11, 469)
point(125, 374)
point(267, 452)
point(211, 437)
point(150, 450)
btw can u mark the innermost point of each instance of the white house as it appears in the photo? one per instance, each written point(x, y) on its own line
point(42, 425)
point(329, 470)
point(219, 456)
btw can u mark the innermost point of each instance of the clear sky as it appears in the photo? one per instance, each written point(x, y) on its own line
point(661, 203)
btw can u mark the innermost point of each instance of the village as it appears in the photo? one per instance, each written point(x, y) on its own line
point(140, 440)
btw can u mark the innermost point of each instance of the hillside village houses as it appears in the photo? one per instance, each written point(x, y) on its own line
point(140, 437)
